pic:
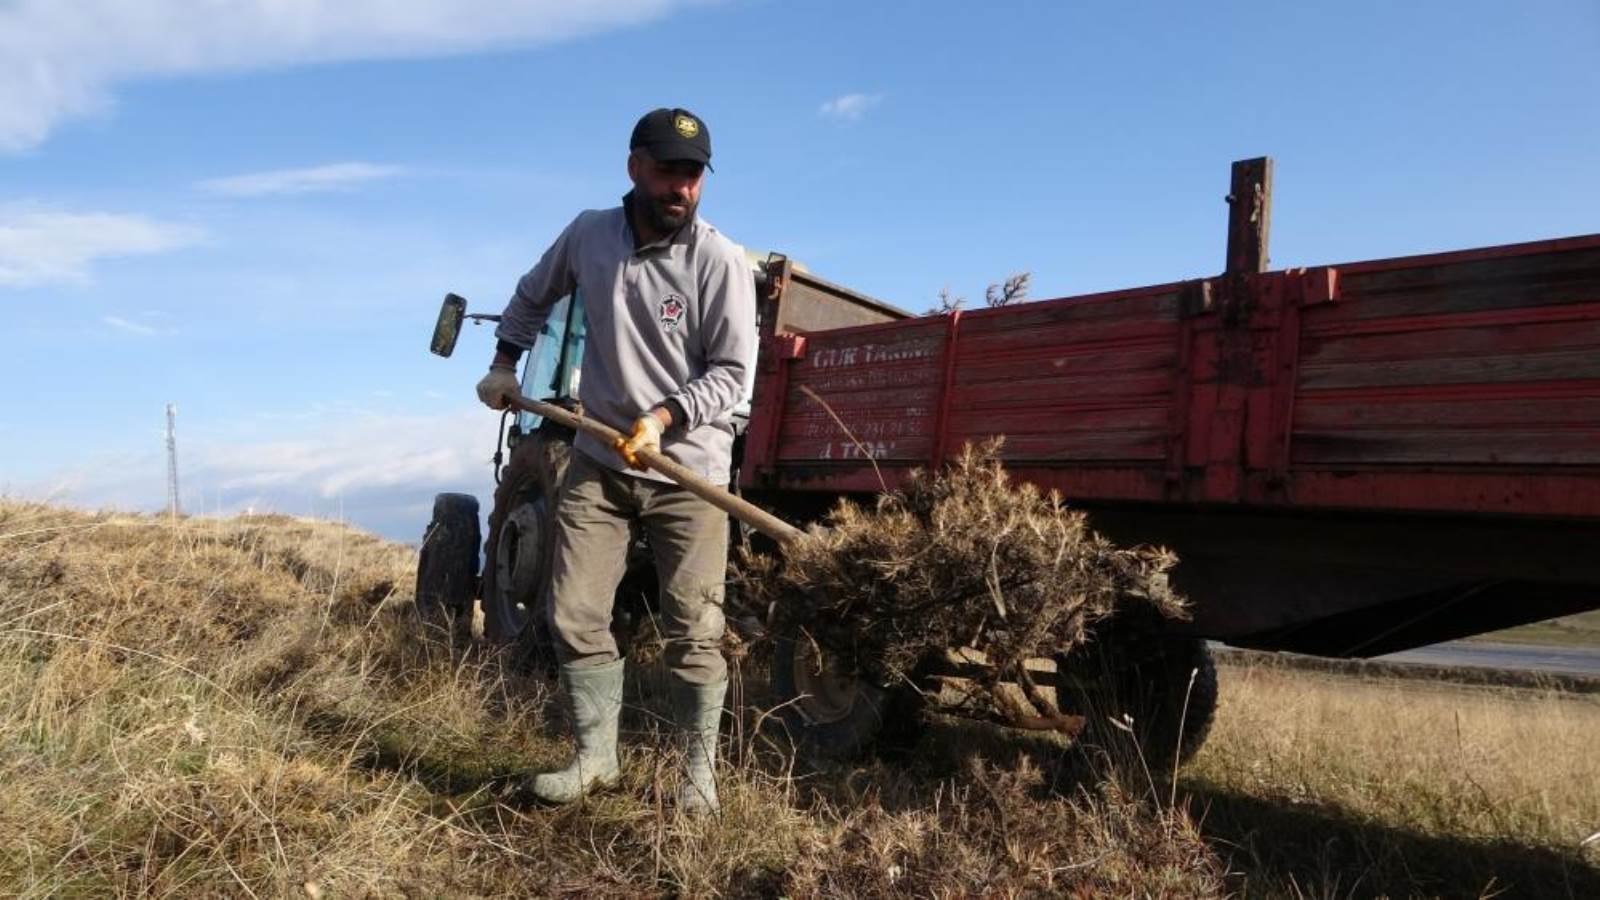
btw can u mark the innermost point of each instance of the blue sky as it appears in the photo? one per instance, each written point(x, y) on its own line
point(252, 208)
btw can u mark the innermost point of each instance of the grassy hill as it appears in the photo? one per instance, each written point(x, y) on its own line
point(252, 706)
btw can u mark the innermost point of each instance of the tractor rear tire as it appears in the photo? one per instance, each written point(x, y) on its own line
point(832, 715)
point(447, 565)
point(1149, 693)
point(521, 544)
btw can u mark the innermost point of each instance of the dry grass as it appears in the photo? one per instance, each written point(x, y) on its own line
point(1580, 630)
point(1388, 785)
point(252, 707)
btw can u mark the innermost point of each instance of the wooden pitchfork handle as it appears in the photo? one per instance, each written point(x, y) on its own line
point(748, 513)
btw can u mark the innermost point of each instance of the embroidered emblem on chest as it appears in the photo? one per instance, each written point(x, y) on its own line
point(673, 306)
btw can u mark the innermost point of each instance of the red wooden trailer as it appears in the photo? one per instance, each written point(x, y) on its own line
point(1350, 459)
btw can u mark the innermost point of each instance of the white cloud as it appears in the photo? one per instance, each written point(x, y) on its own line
point(43, 246)
point(338, 451)
point(316, 179)
point(130, 327)
point(375, 471)
point(63, 58)
point(849, 107)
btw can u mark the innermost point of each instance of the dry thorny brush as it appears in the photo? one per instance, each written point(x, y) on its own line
point(957, 558)
point(252, 706)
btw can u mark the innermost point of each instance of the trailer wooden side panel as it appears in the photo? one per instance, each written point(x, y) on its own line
point(1466, 382)
point(1090, 381)
point(1458, 382)
point(882, 381)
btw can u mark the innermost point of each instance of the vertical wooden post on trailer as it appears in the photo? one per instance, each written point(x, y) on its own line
point(1227, 362)
point(770, 300)
point(941, 427)
point(1249, 215)
point(778, 352)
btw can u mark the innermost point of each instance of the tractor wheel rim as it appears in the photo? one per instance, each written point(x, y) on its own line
point(516, 560)
point(824, 696)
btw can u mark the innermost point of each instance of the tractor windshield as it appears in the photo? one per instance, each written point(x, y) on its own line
point(551, 371)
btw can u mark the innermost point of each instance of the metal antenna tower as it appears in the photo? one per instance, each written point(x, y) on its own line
point(173, 507)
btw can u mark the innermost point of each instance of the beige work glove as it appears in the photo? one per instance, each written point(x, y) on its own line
point(646, 436)
point(498, 386)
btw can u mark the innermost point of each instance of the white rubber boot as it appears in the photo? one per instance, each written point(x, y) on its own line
point(697, 709)
point(595, 693)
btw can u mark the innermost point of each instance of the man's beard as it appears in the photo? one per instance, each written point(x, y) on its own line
point(663, 220)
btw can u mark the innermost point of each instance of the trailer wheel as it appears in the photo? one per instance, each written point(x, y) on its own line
point(447, 565)
point(1150, 693)
point(521, 543)
point(832, 714)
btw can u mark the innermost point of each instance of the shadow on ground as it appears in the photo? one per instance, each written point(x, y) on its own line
point(1273, 846)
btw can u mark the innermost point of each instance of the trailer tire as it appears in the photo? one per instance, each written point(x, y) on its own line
point(834, 716)
point(447, 564)
point(1154, 694)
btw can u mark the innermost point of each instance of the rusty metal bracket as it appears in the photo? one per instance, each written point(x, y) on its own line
point(1196, 298)
point(789, 346)
point(1318, 286)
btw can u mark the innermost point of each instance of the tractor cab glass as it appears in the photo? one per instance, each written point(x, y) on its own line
point(551, 371)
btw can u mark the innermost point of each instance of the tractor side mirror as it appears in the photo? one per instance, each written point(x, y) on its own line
point(451, 314)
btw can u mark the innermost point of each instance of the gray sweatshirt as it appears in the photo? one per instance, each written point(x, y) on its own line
point(673, 320)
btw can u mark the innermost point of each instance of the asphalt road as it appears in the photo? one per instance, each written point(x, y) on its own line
point(1524, 657)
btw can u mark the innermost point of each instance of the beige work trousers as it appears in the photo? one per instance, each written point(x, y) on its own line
point(596, 521)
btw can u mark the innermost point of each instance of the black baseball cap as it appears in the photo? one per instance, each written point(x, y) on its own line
point(673, 134)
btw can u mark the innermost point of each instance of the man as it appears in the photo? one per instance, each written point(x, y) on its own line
point(669, 304)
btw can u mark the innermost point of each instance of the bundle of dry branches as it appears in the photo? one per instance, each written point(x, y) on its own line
point(963, 557)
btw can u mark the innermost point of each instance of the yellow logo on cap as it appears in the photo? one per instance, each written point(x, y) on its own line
point(686, 125)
